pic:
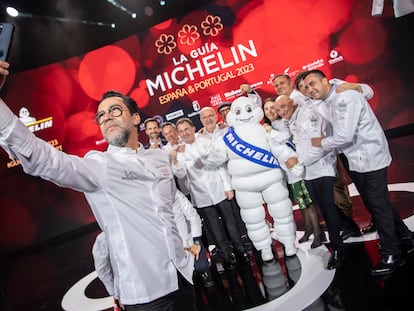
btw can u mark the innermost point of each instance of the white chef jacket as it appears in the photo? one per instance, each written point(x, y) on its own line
point(102, 263)
point(305, 124)
point(357, 132)
point(182, 182)
point(206, 183)
point(298, 97)
point(401, 7)
point(187, 219)
point(206, 140)
point(283, 149)
point(367, 91)
point(323, 109)
point(131, 198)
point(185, 216)
point(282, 125)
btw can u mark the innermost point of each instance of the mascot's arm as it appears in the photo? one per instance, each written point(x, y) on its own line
point(277, 137)
point(284, 152)
point(247, 90)
point(256, 98)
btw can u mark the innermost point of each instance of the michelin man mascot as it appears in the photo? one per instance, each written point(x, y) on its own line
point(256, 176)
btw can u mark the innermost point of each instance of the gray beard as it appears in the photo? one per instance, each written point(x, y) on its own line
point(120, 140)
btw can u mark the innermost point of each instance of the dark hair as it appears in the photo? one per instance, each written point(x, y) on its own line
point(316, 72)
point(223, 105)
point(184, 120)
point(266, 119)
point(269, 99)
point(151, 120)
point(128, 101)
point(301, 76)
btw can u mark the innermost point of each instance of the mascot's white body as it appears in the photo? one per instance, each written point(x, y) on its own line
point(255, 184)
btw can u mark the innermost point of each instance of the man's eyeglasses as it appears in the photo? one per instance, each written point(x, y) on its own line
point(114, 111)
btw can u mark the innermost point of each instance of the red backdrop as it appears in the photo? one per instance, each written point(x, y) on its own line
point(192, 61)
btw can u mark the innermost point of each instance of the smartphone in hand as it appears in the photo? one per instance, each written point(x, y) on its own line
point(6, 36)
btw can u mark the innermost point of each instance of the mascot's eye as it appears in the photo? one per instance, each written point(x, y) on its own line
point(237, 110)
point(248, 108)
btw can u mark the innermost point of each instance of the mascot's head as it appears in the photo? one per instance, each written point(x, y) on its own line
point(244, 110)
point(24, 112)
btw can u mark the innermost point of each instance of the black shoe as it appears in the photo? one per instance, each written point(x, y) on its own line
point(335, 260)
point(242, 254)
point(386, 265)
point(247, 244)
point(347, 233)
point(369, 229)
point(231, 262)
point(305, 236)
point(406, 245)
point(206, 279)
point(317, 241)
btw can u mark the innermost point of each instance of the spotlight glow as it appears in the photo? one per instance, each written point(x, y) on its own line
point(122, 8)
point(12, 11)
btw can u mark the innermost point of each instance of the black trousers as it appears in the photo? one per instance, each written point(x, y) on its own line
point(373, 188)
point(211, 216)
point(321, 191)
point(183, 299)
point(240, 223)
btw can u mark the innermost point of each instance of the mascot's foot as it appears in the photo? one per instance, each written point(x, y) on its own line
point(267, 254)
point(290, 249)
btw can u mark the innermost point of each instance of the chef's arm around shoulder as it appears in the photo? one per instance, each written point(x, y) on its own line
point(345, 123)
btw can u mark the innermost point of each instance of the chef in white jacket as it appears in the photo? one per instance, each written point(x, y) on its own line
point(357, 132)
point(130, 196)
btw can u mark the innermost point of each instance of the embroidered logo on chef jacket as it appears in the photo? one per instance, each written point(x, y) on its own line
point(165, 171)
point(342, 107)
point(130, 175)
point(314, 121)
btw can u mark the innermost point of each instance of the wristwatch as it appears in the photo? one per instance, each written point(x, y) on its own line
point(197, 241)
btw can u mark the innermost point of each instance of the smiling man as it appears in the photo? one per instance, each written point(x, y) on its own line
point(357, 132)
point(153, 131)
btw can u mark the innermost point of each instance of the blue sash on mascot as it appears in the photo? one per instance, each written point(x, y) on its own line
point(249, 152)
